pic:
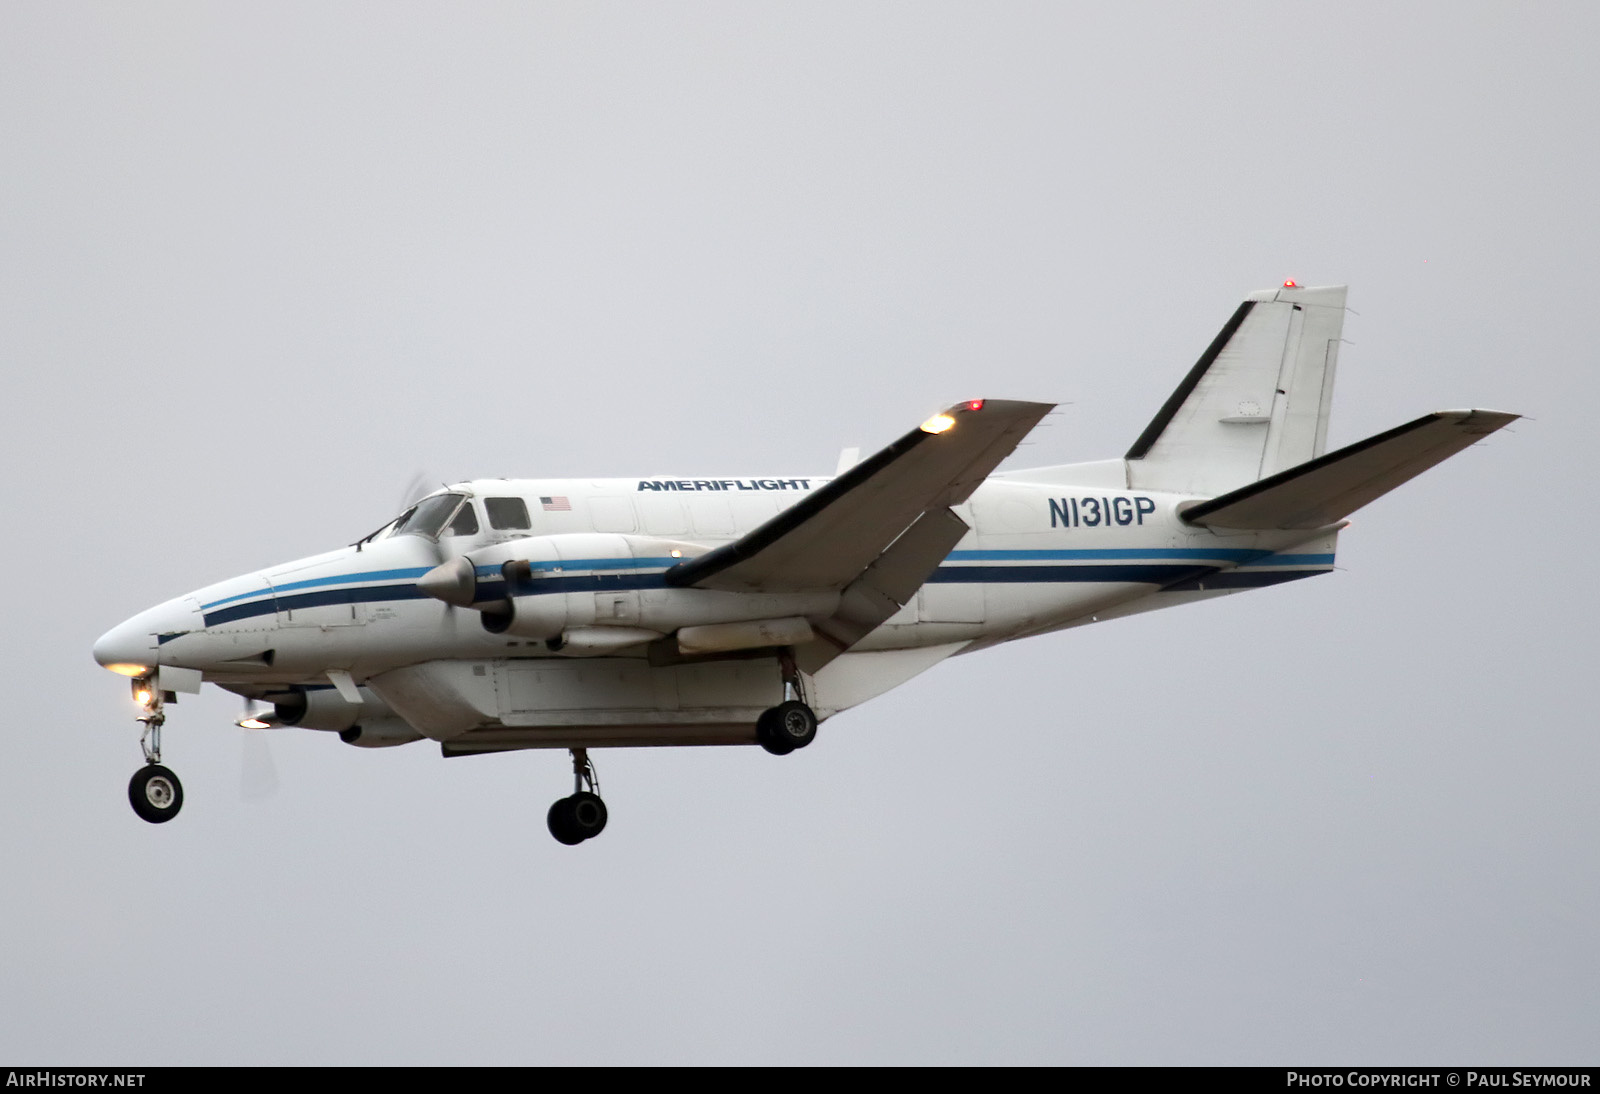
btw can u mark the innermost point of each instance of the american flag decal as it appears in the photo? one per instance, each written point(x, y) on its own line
point(557, 504)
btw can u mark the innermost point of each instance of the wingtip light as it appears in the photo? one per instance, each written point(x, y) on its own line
point(938, 423)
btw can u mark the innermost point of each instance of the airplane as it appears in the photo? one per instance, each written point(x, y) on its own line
point(503, 614)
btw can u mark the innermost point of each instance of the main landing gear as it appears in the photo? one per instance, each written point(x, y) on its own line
point(154, 791)
point(791, 724)
point(583, 815)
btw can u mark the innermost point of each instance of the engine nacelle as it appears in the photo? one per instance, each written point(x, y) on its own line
point(554, 587)
point(551, 615)
point(380, 733)
point(480, 580)
point(326, 709)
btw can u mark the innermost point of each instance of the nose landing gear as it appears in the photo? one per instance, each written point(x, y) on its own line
point(583, 815)
point(154, 791)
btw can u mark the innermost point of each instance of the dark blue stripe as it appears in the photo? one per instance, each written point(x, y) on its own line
point(240, 611)
point(1172, 577)
point(995, 575)
point(1247, 579)
point(371, 594)
point(374, 594)
point(576, 583)
point(1147, 554)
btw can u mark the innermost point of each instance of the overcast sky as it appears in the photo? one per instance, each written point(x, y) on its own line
point(262, 263)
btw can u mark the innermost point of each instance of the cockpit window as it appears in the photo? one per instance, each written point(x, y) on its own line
point(429, 516)
point(465, 523)
point(507, 513)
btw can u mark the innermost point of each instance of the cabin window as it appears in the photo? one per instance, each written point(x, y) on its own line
point(465, 522)
point(507, 514)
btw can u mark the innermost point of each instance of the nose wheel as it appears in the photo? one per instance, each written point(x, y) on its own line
point(154, 791)
point(583, 815)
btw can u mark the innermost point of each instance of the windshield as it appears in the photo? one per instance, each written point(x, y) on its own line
point(429, 516)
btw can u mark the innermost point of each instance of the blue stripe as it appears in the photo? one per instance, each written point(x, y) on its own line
point(1296, 560)
point(1231, 554)
point(1175, 576)
point(371, 594)
point(412, 573)
point(576, 583)
point(336, 579)
point(1154, 574)
point(376, 594)
point(546, 565)
point(1241, 579)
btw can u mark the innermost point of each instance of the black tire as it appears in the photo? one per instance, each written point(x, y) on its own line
point(767, 734)
point(155, 794)
point(562, 824)
point(793, 724)
point(588, 814)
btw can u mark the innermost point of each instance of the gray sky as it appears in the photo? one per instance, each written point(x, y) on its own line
point(261, 263)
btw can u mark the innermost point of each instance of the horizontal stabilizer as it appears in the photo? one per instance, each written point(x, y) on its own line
point(1329, 488)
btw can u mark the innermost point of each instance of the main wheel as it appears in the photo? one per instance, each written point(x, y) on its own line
point(575, 819)
point(562, 826)
point(768, 734)
point(588, 814)
point(794, 724)
point(155, 794)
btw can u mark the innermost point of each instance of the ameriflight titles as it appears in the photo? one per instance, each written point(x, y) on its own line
point(724, 484)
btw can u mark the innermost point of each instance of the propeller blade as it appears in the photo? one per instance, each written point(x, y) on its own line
point(258, 775)
point(418, 487)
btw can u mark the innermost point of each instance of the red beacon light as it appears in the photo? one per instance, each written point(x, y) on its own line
point(974, 404)
point(1291, 284)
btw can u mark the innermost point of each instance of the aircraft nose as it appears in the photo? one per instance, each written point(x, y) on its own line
point(132, 647)
point(127, 648)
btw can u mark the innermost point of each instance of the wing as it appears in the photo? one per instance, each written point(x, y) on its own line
point(828, 538)
point(878, 530)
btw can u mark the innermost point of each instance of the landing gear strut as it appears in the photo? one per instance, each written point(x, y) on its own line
point(583, 815)
point(154, 791)
point(791, 724)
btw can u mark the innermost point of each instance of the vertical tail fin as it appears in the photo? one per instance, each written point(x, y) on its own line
point(1255, 403)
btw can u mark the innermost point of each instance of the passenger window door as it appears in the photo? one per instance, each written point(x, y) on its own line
point(507, 514)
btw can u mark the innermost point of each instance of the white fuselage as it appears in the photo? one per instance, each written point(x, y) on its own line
point(1040, 556)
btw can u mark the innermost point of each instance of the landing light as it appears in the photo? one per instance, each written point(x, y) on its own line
point(143, 697)
point(938, 423)
point(252, 723)
point(128, 669)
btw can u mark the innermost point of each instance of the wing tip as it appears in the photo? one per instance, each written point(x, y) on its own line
point(1477, 420)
